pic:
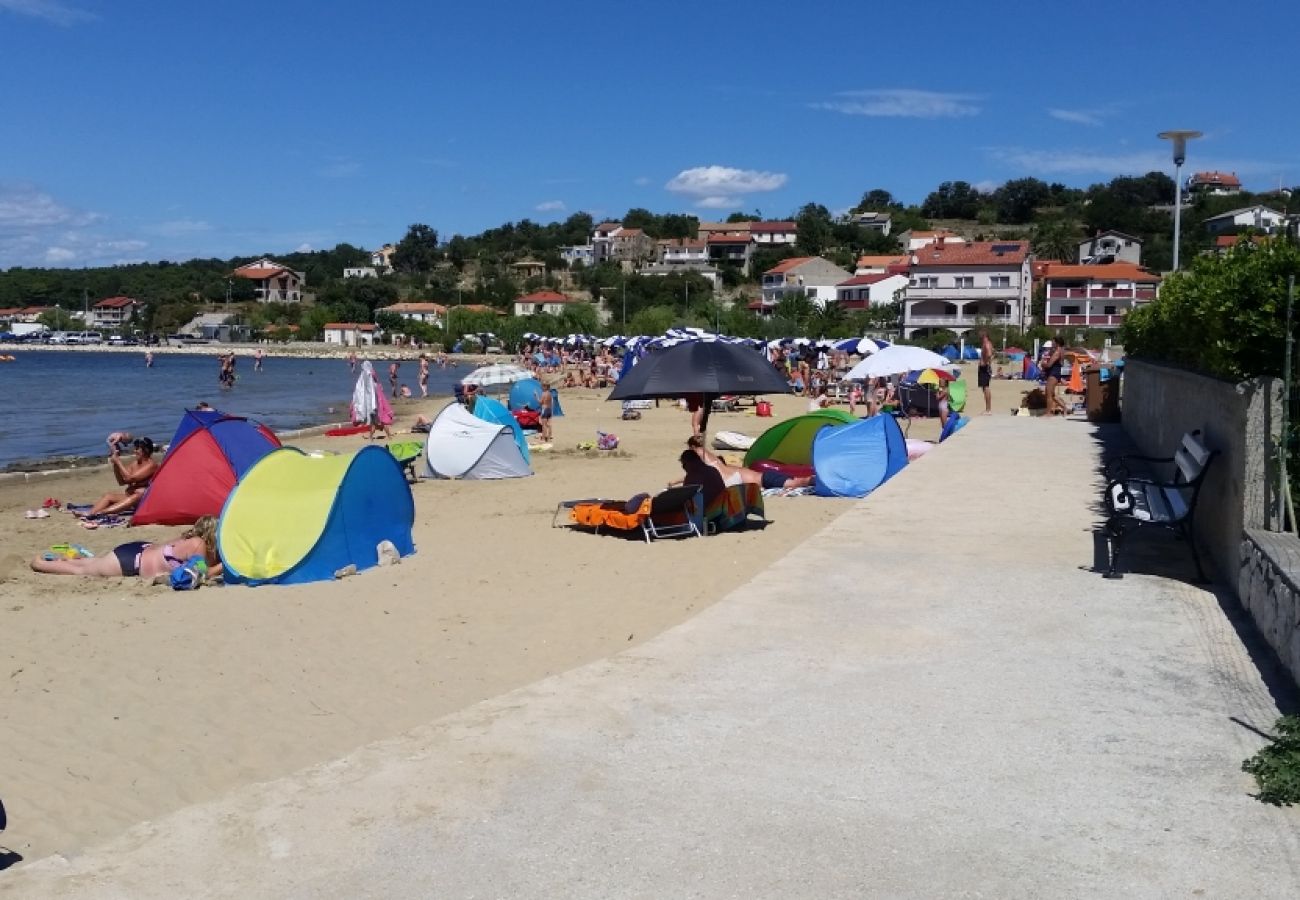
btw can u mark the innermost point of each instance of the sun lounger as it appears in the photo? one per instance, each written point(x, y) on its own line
point(677, 512)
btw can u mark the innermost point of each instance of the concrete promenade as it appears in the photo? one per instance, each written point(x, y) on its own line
point(932, 698)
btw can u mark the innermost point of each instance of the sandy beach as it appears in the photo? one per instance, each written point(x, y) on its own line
point(125, 702)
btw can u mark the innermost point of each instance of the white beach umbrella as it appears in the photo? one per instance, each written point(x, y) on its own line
point(894, 360)
point(497, 373)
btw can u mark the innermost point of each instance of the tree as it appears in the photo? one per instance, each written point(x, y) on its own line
point(794, 306)
point(1056, 239)
point(952, 200)
point(877, 199)
point(57, 319)
point(1017, 200)
point(814, 222)
point(417, 251)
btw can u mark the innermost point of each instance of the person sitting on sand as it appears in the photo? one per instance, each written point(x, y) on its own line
point(143, 558)
point(133, 478)
point(422, 424)
point(734, 475)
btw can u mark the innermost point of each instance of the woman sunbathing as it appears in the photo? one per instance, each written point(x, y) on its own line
point(734, 475)
point(143, 558)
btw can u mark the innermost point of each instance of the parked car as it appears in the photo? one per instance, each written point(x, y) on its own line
point(58, 337)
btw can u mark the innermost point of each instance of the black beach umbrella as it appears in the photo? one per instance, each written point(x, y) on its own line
point(711, 368)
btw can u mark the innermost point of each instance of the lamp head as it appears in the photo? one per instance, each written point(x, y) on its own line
point(1180, 139)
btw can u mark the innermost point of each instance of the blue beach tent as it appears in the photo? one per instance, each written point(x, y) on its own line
point(490, 410)
point(523, 395)
point(295, 518)
point(854, 460)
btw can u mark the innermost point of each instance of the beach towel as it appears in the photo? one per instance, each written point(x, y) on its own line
point(368, 400)
point(105, 521)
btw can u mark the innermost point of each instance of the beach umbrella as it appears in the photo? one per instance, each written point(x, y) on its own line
point(497, 373)
point(711, 368)
point(894, 360)
point(934, 376)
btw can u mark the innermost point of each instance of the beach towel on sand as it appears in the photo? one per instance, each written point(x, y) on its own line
point(368, 400)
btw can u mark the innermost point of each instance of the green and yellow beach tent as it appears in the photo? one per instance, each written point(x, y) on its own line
point(791, 441)
point(295, 518)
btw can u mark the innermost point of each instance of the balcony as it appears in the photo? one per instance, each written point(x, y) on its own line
point(963, 294)
point(954, 321)
point(1096, 293)
point(1084, 321)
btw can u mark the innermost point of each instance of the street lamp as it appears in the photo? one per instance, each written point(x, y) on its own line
point(1179, 139)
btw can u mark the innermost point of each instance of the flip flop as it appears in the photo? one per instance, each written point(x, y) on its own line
point(51, 503)
point(37, 514)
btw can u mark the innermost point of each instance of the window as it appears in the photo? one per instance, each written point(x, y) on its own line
point(927, 281)
point(1069, 310)
point(1000, 281)
point(1109, 310)
point(964, 281)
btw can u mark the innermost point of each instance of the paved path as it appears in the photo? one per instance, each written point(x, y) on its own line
point(931, 698)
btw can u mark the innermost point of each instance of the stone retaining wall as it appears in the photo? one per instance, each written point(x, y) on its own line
point(1269, 587)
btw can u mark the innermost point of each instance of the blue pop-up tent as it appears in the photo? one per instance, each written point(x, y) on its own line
point(493, 411)
point(854, 460)
point(523, 395)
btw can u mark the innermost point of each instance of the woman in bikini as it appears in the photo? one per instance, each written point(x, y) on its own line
point(735, 475)
point(143, 558)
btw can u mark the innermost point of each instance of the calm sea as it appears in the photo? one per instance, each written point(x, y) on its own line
point(59, 403)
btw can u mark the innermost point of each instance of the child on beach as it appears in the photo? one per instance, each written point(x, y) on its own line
point(544, 411)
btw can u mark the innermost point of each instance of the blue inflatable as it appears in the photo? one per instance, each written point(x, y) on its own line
point(854, 460)
point(523, 395)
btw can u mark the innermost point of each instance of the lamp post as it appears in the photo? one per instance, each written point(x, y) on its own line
point(1179, 139)
point(622, 286)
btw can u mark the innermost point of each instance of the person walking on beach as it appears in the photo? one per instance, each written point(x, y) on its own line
point(544, 409)
point(392, 376)
point(985, 371)
point(1053, 364)
point(369, 405)
point(424, 375)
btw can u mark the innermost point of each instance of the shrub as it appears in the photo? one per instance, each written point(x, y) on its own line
point(1276, 767)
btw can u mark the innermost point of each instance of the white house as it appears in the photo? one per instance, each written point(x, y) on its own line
point(866, 291)
point(683, 252)
point(815, 277)
point(778, 234)
point(1111, 246)
point(913, 239)
point(275, 283)
point(382, 259)
point(1217, 183)
point(1258, 217)
point(579, 253)
point(881, 223)
point(955, 285)
point(351, 334)
point(113, 312)
point(552, 302)
point(1095, 296)
point(361, 272)
point(708, 273)
point(434, 314)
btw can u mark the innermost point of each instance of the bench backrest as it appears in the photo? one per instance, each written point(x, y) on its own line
point(1192, 459)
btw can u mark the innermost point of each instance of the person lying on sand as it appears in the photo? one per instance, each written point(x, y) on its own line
point(134, 478)
point(734, 475)
point(143, 558)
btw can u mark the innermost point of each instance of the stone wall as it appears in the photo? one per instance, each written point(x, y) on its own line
point(1241, 421)
point(1267, 587)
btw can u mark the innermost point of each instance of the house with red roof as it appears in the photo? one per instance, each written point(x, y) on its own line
point(273, 282)
point(915, 239)
point(434, 314)
point(774, 234)
point(814, 277)
point(351, 334)
point(957, 285)
point(1095, 296)
point(872, 289)
point(113, 312)
point(612, 241)
point(552, 302)
point(1218, 183)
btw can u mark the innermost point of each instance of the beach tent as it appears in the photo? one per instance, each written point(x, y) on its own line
point(791, 441)
point(490, 410)
point(208, 454)
point(295, 518)
point(854, 460)
point(461, 445)
point(523, 395)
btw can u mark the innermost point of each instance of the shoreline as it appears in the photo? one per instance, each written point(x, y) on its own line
point(304, 350)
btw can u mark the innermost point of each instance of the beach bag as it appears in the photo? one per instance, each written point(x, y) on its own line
point(606, 441)
point(189, 576)
point(763, 409)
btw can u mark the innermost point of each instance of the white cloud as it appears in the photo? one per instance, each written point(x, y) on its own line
point(719, 186)
point(50, 10)
point(1078, 116)
point(1101, 162)
point(304, 247)
point(550, 206)
point(24, 208)
point(57, 255)
point(907, 103)
point(987, 186)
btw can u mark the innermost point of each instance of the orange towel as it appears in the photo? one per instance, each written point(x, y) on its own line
point(610, 515)
point(1076, 379)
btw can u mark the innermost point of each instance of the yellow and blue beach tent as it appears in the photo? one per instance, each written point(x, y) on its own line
point(295, 518)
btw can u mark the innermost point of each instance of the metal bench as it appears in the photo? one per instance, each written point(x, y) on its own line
point(1134, 501)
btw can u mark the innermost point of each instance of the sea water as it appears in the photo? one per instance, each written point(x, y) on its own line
point(57, 403)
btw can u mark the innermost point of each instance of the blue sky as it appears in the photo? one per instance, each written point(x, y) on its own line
point(144, 131)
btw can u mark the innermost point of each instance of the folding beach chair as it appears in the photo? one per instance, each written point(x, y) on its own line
point(407, 453)
point(677, 512)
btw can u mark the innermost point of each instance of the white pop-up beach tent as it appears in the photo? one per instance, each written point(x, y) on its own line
point(461, 445)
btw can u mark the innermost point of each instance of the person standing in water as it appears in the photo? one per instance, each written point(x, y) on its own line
point(424, 375)
point(352, 362)
point(148, 359)
point(392, 376)
point(257, 360)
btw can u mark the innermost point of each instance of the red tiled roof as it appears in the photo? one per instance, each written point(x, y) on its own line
point(769, 227)
point(1225, 241)
point(729, 239)
point(882, 262)
point(758, 304)
point(349, 326)
point(114, 303)
point(684, 243)
point(545, 297)
point(786, 265)
point(259, 271)
point(975, 253)
point(1220, 179)
point(860, 280)
point(1119, 271)
point(414, 307)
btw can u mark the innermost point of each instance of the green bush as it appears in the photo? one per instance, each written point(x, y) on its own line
point(1276, 767)
point(1225, 316)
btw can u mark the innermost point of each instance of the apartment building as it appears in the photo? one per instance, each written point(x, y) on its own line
point(957, 285)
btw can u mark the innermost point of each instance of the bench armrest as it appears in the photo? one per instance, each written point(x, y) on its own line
point(1116, 465)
